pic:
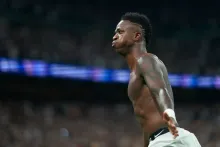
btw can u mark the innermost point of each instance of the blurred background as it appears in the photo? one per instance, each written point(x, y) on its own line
point(62, 85)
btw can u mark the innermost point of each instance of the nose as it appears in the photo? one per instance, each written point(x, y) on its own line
point(115, 37)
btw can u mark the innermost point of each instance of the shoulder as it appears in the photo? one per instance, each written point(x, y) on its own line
point(147, 60)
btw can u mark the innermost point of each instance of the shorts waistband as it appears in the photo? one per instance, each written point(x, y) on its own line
point(157, 133)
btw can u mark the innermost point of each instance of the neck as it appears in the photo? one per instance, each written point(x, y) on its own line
point(137, 51)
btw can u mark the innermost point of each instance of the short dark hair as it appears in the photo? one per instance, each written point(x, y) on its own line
point(142, 20)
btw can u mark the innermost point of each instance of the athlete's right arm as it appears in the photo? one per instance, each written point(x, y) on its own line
point(153, 75)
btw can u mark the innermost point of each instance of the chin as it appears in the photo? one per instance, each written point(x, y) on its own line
point(117, 45)
point(121, 51)
point(118, 50)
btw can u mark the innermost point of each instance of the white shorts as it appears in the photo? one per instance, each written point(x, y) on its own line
point(185, 139)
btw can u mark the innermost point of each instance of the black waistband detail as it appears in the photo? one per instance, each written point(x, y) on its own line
point(158, 133)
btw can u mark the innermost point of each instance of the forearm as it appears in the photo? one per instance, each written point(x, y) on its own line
point(162, 99)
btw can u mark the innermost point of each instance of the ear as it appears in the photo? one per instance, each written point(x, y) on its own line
point(137, 36)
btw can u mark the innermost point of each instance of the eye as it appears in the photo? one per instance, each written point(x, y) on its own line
point(120, 31)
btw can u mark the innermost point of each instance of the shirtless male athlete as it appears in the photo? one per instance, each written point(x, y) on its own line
point(149, 88)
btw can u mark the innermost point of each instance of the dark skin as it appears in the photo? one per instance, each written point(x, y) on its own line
point(149, 89)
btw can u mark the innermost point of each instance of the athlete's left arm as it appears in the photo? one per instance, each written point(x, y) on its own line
point(153, 76)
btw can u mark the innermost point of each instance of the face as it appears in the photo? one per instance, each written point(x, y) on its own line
point(125, 37)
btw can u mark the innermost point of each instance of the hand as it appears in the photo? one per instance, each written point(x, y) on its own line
point(171, 123)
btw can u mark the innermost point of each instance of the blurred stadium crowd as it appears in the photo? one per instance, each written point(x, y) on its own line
point(185, 37)
point(85, 125)
point(63, 32)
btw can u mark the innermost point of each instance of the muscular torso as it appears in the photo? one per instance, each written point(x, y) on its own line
point(145, 108)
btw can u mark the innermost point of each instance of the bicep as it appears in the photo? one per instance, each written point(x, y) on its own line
point(154, 78)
